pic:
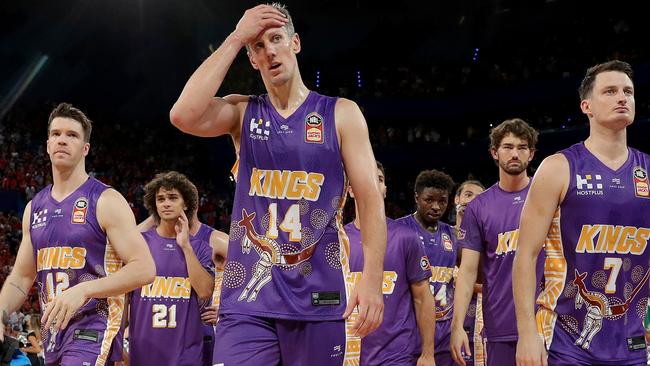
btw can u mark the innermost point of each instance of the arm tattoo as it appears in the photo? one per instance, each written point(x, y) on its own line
point(18, 287)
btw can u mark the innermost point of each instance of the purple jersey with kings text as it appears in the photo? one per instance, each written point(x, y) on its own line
point(441, 249)
point(397, 339)
point(70, 247)
point(285, 259)
point(596, 265)
point(491, 227)
point(165, 321)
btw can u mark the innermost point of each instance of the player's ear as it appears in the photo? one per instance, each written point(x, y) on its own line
point(295, 43)
point(494, 154)
point(250, 58)
point(585, 106)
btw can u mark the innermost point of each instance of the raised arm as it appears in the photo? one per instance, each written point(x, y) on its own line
point(197, 111)
point(360, 168)
point(20, 280)
point(201, 280)
point(116, 218)
point(546, 193)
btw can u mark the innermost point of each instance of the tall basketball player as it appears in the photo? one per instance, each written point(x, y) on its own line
point(284, 296)
point(591, 203)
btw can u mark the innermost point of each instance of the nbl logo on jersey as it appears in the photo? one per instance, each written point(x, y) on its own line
point(79, 210)
point(589, 185)
point(314, 128)
point(641, 188)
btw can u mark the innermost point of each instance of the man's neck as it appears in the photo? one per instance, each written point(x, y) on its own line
point(513, 183)
point(166, 229)
point(609, 146)
point(64, 182)
point(288, 97)
point(431, 227)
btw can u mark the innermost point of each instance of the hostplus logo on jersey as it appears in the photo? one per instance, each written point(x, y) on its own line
point(259, 130)
point(40, 219)
point(589, 185)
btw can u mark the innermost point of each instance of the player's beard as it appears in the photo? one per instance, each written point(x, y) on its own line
point(514, 169)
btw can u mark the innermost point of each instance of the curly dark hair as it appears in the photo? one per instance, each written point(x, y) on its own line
point(587, 84)
point(433, 179)
point(171, 180)
point(518, 128)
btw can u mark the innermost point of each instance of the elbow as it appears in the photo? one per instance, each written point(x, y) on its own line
point(180, 118)
point(148, 272)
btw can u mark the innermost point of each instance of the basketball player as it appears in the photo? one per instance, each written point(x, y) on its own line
point(284, 289)
point(408, 300)
point(591, 203)
point(473, 323)
point(77, 232)
point(432, 191)
point(489, 231)
point(165, 322)
point(218, 241)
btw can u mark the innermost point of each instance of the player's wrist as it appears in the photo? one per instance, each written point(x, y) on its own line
point(235, 39)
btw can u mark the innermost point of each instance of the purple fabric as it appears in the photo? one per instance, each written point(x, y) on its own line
point(397, 339)
point(600, 262)
point(165, 322)
point(70, 247)
point(284, 246)
point(247, 340)
point(496, 236)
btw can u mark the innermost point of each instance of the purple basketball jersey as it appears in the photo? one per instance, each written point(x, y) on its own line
point(491, 227)
point(165, 323)
point(70, 247)
point(441, 249)
point(397, 339)
point(596, 265)
point(285, 257)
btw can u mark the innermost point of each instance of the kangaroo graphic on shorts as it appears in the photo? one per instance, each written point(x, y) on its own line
point(599, 307)
point(270, 255)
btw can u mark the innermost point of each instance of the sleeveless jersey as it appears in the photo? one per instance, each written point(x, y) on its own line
point(165, 319)
point(491, 227)
point(596, 265)
point(287, 256)
point(70, 247)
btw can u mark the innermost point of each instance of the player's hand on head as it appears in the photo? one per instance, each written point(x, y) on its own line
point(531, 351)
point(368, 298)
point(459, 342)
point(256, 20)
point(182, 228)
point(63, 307)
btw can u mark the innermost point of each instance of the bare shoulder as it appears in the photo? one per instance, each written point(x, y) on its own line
point(345, 106)
point(552, 178)
point(112, 208)
point(219, 236)
point(238, 100)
